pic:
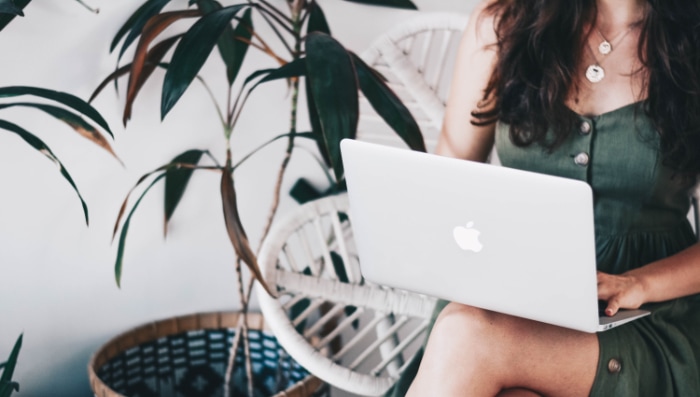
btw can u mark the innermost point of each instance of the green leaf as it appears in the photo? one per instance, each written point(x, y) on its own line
point(317, 20)
point(307, 135)
point(8, 7)
point(388, 105)
point(342, 274)
point(9, 365)
point(316, 125)
point(334, 87)
point(76, 122)
point(39, 145)
point(302, 191)
point(125, 229)
point(176, 180)
point(192, 52)
point(63, 98)
point(339, 267)
point(6, 384)
point(142, 179)
point(295, 68)
point(318, 23)
point(15, 8)
point(134, 25)
point(406, 4)
point(296, 310)
point(233, 43)
point(6, 388)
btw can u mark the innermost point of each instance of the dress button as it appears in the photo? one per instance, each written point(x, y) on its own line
point(585, 128)
point(614, 366)
point(581, 159)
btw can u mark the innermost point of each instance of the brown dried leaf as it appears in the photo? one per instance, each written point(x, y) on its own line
point(155, 55)
point(155, 26)
point(234, 227)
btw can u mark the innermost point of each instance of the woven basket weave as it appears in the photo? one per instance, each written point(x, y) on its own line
point(187, 356)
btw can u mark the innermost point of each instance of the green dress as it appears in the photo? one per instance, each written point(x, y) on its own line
point(641, 210)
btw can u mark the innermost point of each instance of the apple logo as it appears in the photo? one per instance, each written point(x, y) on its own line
point(467, 237)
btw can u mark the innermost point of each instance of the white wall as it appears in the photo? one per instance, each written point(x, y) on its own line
point(57, 274)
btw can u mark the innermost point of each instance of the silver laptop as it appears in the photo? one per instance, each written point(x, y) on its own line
point(501, 239)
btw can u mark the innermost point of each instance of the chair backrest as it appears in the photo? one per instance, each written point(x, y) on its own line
point(417, 59)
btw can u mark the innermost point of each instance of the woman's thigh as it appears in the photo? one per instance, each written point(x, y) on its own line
point(518, 393)
point(487, 352)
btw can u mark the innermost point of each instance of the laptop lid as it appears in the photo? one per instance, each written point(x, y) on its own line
point(507, 240)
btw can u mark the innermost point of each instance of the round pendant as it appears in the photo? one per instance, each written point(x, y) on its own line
point(604, 47)
point(595, 73)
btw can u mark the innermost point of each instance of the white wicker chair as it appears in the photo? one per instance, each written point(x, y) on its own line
point(417, 59)
point(354, 335)
point(350, 333)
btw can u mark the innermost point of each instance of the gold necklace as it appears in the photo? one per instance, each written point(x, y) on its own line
point(595, 72)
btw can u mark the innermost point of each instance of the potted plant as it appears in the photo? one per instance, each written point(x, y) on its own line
point(70, 112)
point(332, 77)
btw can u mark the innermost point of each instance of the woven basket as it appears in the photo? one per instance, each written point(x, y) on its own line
point(187, 357)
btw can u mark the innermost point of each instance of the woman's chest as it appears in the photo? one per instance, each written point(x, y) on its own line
point(617, 153)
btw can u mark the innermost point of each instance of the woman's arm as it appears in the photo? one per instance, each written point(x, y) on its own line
point(474, 64)
point(669, 278)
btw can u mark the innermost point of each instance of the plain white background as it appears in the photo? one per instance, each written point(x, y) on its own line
point(57, 274)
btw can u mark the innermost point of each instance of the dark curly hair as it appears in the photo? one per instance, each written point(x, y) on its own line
point(540, 43)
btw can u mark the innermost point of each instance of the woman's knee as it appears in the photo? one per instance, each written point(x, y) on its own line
point(462, 320)
point(517, 393)
point(463, 337)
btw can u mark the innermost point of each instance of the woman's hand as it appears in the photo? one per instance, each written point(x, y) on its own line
point(623, 291)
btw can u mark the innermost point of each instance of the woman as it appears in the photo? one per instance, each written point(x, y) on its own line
point(606, 91)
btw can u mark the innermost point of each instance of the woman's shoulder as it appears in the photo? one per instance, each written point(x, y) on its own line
point(482, 23)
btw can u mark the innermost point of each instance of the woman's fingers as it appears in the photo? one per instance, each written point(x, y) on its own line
point(613, 306)
point(619, 291)
point(605, 286)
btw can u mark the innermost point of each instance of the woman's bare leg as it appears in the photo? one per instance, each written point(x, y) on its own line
point(475, 352)
point(517, 393)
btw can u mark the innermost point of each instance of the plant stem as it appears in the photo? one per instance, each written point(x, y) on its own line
point(232, 359)
point(246, 292)
point(292, 133)
point(285, 161)
point(228, 105)
point(244, 329)
point(266, 16)
point(264, 48)
point(91, 9)
point(276, 11)
point(241, 334)
point(280, 176)
point(213, 99)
